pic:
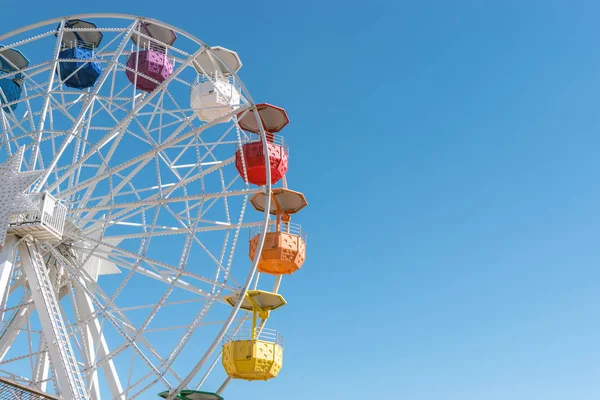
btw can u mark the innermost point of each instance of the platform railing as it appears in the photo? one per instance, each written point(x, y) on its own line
point(78, 43)
point(291, 228)
point(50, 213)
point(264, 334)
point(271, 138)
point(209, 78)
point(156, 47)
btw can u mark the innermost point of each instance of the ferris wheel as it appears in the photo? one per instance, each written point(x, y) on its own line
point(133, 163)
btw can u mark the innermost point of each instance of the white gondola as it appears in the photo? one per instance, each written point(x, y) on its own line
point(214, 93)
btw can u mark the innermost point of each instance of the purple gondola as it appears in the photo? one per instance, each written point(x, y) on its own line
point(150, 65)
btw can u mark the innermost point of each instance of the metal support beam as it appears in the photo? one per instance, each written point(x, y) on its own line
point(42, 367)
point(53, 327)
point(7, 258)
point(96, 345)
point(15, 325)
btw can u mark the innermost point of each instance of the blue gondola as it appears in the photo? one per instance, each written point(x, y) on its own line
point(11, 60)
point(80, 46)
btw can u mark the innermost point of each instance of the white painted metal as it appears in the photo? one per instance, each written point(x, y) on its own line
point(242, 293)
point(13, 201)
point(55, 332)
point(46, 221)
point(42, 367)
point(113, 176)
point(7, 259)
point(94, 337)
point(14, 325)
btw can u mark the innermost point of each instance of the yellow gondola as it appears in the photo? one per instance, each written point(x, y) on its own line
point(256, 354)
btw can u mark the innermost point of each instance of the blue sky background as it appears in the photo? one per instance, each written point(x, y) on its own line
point(449, 153)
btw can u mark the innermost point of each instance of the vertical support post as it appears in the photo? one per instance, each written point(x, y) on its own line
point(7, 258)
point(254, 325)
point(277, 215)
point(88, 344)
point(42, 367)
point(255, 310)
point(96, 345)
point(53, 326)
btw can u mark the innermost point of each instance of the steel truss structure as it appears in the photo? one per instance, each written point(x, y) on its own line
point(123, 212)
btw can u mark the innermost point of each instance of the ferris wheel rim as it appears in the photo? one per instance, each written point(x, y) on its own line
point(251, 105)
point(133, 17)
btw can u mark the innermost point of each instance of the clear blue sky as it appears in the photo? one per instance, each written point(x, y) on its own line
point(449, 152)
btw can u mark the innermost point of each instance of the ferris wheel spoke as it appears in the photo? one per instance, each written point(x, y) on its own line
point(204, 229)
point(235, 330)
point(105, 161)
point(188, 179)
point(129, 340)
point(121, 317)
point(160, 270)
point(29, 112)
point(167, 364)
point(10, 125)
point(95, 343)
point(158, 201)
point(81, 142)
point(182, 263)
point(198, 319)
point(138, 259)
point(36, 148)
point(90, 97)
point(15, 325)
point(139, 106)
point(6, 128)
point(145, 156)
point(166, 278)
point(193, 237)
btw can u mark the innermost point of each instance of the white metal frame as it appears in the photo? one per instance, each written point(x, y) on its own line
point(64, 134)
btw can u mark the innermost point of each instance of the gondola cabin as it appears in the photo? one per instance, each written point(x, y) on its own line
point(251, 165)
point(188, 394)
point(284, 250)
point(250, 158)
point(254, 354)
point(11, 80)
point(79, 67)
point(150, 65)
point(213, 94)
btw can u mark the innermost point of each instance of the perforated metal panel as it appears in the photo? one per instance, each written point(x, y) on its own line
point(13, 391)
